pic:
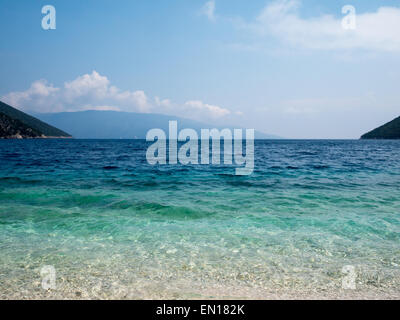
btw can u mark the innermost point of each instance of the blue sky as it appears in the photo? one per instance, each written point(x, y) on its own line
point(285, 67)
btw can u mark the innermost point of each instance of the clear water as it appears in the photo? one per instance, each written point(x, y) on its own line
point(115, 227)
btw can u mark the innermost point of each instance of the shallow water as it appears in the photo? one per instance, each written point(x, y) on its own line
point(114, 226)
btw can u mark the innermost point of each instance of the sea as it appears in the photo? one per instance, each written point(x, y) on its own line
point(92, 219)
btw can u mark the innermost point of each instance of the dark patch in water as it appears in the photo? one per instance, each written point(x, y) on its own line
point(320, 166)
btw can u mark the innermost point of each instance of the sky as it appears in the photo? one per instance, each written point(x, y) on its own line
point(284, 67)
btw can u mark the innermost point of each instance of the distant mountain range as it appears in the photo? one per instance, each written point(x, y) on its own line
point(121, 125)
point(94, 124)
point(17, 124)
point(390, 130)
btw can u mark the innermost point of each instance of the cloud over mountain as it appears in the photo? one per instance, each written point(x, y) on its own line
point(95, 92)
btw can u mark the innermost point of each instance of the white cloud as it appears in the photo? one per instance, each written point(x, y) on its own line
point(39, 93)
point(95, 92)
point(194, 109)
point(165, 103)
point(209, 10)
point(100, 108)
point(378, 31)
point(93, 84)
point(198, 107)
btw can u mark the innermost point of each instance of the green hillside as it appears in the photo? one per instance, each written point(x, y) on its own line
point(390, 130)
point(13, 128)
point(24, 122)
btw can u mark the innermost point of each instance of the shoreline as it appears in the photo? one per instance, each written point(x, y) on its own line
point(157, 291)
point(30, 138)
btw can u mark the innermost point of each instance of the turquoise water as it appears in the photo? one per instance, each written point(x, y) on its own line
point(115, 227)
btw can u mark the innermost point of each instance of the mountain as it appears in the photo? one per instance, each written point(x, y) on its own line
point(120, 125)
point(17, 124)
point(390, 130)
point(13, 128)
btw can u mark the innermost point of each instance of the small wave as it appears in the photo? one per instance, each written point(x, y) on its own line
point(307, 153)
point(241, 183)
point(171, 211)
point(320, 167)
point(16, 179)
point(12, 155)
